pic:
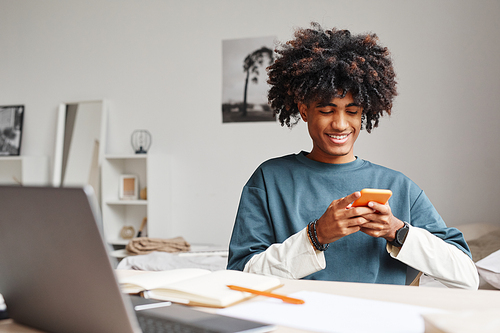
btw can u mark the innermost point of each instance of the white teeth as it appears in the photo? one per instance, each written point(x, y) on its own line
point(338, 137)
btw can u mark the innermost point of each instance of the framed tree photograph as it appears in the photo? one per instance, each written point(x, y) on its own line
point(11, 129)
point(244, 79)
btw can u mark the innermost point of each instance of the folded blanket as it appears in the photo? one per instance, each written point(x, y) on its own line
point(145, 245)
point(162, 261)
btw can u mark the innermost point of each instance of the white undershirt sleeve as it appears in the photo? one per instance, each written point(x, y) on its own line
point(296, 258)
point(434, 257)
point(292, 259)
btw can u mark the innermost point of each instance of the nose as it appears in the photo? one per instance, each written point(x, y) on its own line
point(339, 121)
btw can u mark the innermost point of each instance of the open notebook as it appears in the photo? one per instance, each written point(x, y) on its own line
point(56, 275)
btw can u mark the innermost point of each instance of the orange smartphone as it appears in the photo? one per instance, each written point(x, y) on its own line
point(372, 194)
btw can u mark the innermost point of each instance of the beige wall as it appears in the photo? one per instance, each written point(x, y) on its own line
point(158, 63)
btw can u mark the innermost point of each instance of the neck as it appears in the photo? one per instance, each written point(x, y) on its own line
point(331, 159)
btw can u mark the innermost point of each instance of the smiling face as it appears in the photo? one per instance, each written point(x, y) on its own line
point(333, 127)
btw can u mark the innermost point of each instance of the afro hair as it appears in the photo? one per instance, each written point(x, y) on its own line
point(319, 65)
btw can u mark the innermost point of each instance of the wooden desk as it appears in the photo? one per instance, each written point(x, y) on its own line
point(442, 298)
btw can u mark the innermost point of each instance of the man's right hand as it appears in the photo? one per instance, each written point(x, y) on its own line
point(341, 220)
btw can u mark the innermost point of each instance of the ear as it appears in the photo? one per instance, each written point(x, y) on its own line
point(303, 111)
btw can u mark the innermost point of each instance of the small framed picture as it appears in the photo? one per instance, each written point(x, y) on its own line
point(11, 129)
point(129, 187)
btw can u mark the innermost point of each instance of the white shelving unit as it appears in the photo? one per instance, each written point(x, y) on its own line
point(152, 172)
point(24, 170)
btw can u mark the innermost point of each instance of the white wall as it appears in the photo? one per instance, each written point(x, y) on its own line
point(158, 63)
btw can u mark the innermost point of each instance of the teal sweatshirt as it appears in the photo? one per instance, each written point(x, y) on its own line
point(285, 194)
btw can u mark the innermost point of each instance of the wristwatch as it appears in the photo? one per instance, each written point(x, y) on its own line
point(401, 235)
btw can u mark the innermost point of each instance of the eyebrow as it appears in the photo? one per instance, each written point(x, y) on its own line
point(320, 104)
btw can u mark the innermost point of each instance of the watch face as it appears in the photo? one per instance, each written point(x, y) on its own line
point(401, 234)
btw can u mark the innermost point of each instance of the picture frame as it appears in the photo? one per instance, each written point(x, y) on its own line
point(129, 187)
point(244, 79)
point(11, 129)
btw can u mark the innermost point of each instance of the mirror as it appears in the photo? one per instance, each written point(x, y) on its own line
point(79, 145)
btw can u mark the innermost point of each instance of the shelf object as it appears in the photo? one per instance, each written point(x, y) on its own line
point(24, 170)
point(152, 171)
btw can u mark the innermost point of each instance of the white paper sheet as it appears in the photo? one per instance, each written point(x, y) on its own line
point(491, 262)
point(489, 269)
point(331, 313)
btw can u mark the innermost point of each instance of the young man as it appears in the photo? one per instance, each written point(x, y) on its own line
point(295, 218)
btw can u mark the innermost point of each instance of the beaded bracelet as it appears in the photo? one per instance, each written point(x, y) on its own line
point(313, 236)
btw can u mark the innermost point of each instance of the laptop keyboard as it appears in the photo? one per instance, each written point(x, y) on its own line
point(151, 324)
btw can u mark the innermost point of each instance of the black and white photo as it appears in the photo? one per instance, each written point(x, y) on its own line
point(11, 127)
point(244, 86)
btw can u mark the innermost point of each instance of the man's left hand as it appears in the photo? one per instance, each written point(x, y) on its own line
point(381, 223)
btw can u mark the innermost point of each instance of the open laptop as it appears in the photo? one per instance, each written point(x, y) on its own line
point(56, 275)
